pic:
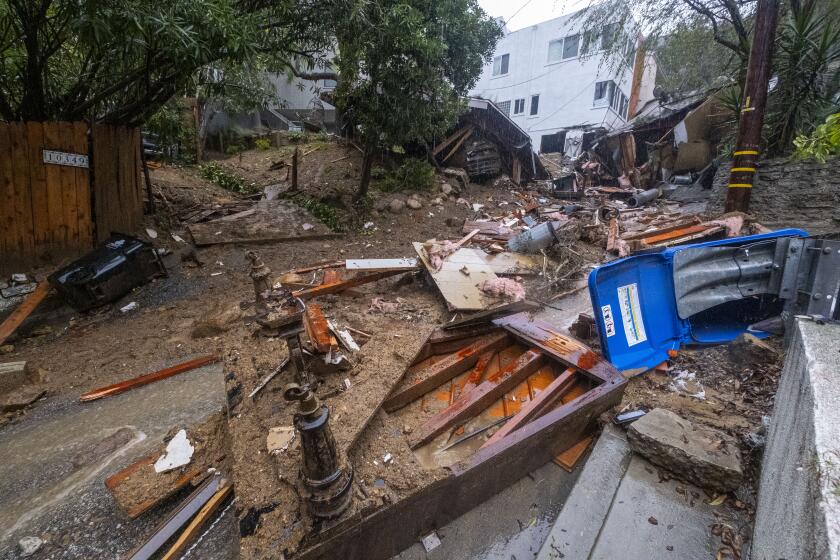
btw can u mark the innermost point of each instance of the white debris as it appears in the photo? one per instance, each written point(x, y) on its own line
point(387, 458)
point(129, 307)
point(178, 238)
point(151, 233)
point(29, 546)
point(476, 207)
point(685, 382)
point(431, 541)
point(368, 225)
point(346, 384)
point(179, 452)
point(279, 439)
point(307, 226)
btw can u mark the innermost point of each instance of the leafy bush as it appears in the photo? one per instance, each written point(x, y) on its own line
point(296, 137)
point(413, 175)
point(822, 143)
point(262, 144)
point(219, 175)
point(324, 212)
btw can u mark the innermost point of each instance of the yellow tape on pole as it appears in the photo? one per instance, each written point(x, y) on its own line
point(740, 186)
point(746, 153)
point(743, 170)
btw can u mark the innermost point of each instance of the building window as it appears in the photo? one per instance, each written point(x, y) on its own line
point(519, 106)
point(571, 45)
point(500, 65)
point(504, 107)
point(589, 42)
point(535, 104)
point(603, 93)
point(565, 48)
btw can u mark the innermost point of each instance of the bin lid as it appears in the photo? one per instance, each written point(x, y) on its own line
point(635, 307)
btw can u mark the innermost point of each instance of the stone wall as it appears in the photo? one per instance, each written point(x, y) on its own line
point(798, 511)
point(789, 193)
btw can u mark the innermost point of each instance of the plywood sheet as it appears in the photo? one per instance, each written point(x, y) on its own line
point(460, 290)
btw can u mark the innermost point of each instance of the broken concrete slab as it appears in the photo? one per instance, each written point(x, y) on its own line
point(13, 375)
point(700, 455)
point(21, 398)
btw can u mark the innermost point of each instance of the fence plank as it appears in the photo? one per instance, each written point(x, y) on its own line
point(70, 220)
point(57, 235)
point(24, 216)
point(84, 210)
point(38, 186)
point(8, 226)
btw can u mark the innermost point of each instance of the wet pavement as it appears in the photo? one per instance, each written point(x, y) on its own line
point(55, 463)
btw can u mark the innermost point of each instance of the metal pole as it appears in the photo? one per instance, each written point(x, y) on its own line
point(747, 150)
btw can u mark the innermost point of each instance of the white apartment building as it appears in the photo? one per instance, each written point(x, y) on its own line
point(551, 78)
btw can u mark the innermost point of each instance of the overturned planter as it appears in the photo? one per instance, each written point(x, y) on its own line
point(545, 426)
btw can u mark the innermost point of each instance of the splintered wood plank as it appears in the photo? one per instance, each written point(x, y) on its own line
point(23, 311)
point(202, 517)
point(317, 329)
point(475, 375)
point(569, 458)
point(499, 263)
point(470, 404)
point(563, 347)
point(537, 406)
point(381, 366)
point(459, 290)
point(341, 285)
point(129, 384)
point(445, 370)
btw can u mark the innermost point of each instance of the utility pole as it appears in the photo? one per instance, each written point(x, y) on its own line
point(753, 104)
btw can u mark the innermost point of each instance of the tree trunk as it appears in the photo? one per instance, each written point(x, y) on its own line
point(364, 183)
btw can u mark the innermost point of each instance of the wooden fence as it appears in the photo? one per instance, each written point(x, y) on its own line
point(50, 199)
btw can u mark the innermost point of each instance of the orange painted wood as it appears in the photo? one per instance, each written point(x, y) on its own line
point(317, 329)
point(24, 310)
point(537, 406)
point(569, 458)
point(470, 404)
point(124, 386)
point(445, 370)
point(344, 284)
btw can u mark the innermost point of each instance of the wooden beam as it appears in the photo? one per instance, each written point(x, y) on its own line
point(475, 376)
point(537, 406)
point(344, 284)
point(317, 329)
point(562, 347)
point(457, 145)
point(445, 370)
point(387, 531)
point(457, 134)
point(473, 402)
point(124, 386)
point(24, 310)
point(198, 522)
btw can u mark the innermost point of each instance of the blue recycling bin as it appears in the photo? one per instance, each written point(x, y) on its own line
point(637, 314)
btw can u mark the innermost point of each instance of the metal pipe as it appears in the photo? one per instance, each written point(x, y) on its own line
point(643, 198)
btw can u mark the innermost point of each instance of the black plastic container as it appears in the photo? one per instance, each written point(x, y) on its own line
point(108, 272)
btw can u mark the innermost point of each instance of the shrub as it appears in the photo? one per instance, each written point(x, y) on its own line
point(412, 175)
point(219, 175)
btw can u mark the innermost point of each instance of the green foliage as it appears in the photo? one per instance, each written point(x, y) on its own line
point(262, 144)
point(405, 66)
point(821, 144)
point(219, 175)
point(296, 137)
point(412, 175)
point(122, 60)
point(173, 130)
point(329, 215)
point(807, 63)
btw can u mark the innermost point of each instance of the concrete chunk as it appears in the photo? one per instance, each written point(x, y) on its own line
point(12, 376)
point(704, 456)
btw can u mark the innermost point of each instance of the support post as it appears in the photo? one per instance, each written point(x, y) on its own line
point(753, 104)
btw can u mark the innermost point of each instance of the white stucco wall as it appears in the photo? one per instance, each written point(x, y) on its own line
point(566, 88)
